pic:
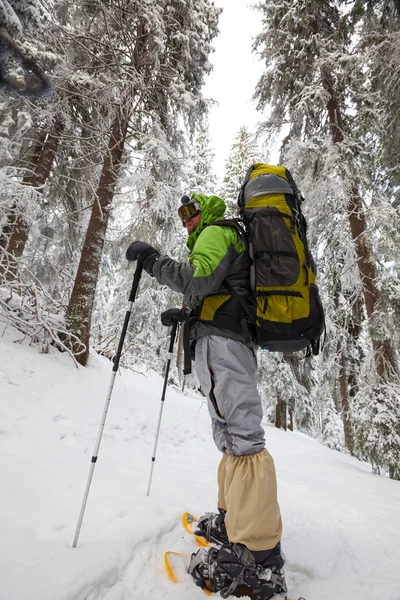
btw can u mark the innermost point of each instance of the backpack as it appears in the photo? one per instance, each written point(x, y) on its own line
point(285, 313)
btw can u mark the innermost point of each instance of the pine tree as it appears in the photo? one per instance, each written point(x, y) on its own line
point(309, 86)
point(331, 98)
point(147, 210)
point(281, 393)
point(168, 48)
point(201, 177)
point(128, 75)
point(15, 232)
point(378, 426)
point(244, 152)
point(20, 19)
point(25, 128)
point(332, 428)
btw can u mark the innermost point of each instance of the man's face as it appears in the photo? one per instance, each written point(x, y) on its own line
point(192, 223)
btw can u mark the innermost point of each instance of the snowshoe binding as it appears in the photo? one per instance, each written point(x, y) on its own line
point(232, 570)
point(211, 526)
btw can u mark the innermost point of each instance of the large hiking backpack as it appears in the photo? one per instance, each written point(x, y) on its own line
point(287, 313)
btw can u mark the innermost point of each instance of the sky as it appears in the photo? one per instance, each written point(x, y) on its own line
point(234, 77)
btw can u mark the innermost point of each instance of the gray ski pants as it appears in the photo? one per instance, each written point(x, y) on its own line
point(227, 371)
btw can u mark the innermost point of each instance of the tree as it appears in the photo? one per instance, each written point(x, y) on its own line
point(16, 230)
point(282, 395)
point(308, 85)
point(164, 51)
point(201, 177)
point(147, 210)
point(79, 311)
point(378, 426)
point(329, 95)
point(24, 123)
point(244, 152)
point(333, 99)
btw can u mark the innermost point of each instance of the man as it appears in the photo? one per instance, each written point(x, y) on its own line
point(248, 527)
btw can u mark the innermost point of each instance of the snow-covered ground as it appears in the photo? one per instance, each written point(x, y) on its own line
point(341, 524)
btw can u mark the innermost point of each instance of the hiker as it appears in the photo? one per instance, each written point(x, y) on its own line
point(248, 527)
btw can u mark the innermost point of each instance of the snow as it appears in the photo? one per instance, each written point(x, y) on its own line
point(341, 524)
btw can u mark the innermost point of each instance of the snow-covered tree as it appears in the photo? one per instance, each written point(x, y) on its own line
point(244, 152)
point(310, 87)
point(164, 49)
point(20, 17)
point(329, 96)
point(378, 426)
point(200, 173)
point(282, 395)
point(128, 77)
point(332, 428)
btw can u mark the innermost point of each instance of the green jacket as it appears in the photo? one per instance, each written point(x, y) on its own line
point(217, 256)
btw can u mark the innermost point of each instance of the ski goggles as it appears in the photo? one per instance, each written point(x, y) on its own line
point(189, 210)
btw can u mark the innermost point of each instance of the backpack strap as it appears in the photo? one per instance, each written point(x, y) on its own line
point(302, 222)
point(238, 225)
point(248, 319)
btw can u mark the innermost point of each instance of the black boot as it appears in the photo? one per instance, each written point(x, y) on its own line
point(211, 526)
point(232, 570)
point(270, 558)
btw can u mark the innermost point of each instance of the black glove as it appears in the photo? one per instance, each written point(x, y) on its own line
point(171, 315)
point(145, 253)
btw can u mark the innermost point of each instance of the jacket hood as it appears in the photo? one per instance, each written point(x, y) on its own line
point(212, 209)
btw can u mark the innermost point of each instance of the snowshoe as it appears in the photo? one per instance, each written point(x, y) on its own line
point(211, 526)
point(233, 570)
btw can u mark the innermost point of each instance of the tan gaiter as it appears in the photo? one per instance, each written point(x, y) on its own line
point(221, 477)
point(248, 492)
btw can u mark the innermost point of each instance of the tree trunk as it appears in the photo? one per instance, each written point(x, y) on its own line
point(394, 473)
point(344, 392)
point(384, 353)
point(281, 414)
point(383, 350)
point(284, 414)
point(15, 233)
point(278, 422)
point(344, 409)
point(20, 229)
point(80, 307)
point(291, 420)
point(30, 163)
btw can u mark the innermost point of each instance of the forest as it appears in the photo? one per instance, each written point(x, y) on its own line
point(104, 156)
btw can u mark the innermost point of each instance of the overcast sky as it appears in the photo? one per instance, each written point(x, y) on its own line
point(233, 79)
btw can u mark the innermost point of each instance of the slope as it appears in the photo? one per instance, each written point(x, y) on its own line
point(341, 524)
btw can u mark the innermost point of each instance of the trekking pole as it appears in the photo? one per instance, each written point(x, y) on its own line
point(170, 354)
point(117, 357)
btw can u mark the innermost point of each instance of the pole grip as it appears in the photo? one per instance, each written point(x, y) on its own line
point(136, 279)
point(173, 336)
point(132, 296)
